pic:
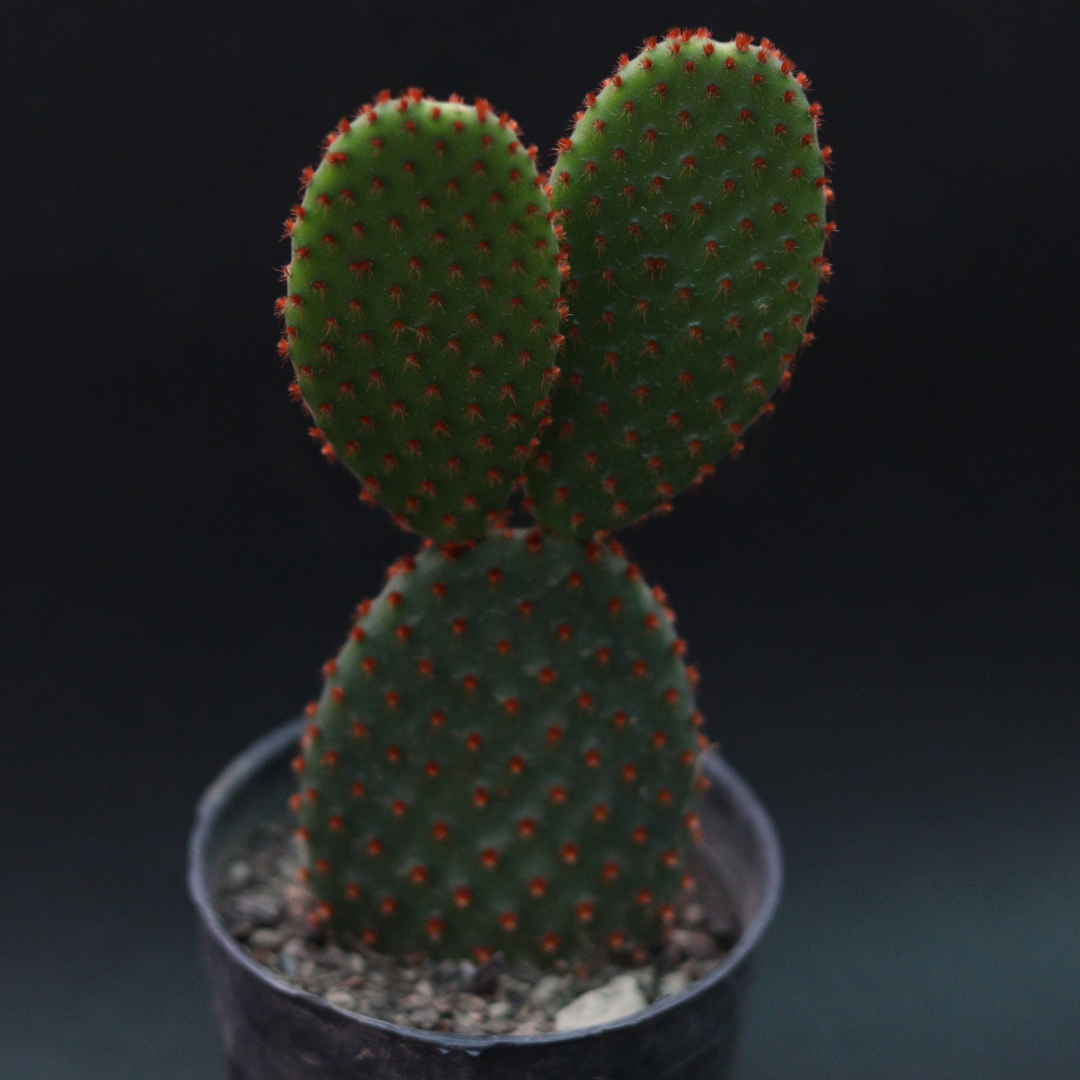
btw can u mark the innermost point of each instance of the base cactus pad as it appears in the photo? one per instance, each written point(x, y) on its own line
point(502, 756)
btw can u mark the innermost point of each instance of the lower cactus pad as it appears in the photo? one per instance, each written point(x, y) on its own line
point(503, 757)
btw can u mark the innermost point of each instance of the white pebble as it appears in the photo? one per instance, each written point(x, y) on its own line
point(674, 982)
point(341, 998)
point(615, 999)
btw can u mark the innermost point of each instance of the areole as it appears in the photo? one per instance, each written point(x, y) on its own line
point(273, 1031)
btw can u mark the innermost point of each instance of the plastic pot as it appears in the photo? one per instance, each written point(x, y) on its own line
point(273, 1031)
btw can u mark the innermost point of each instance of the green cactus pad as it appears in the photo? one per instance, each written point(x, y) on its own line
point(502, 756)
point(421, 313)
point(693, 199)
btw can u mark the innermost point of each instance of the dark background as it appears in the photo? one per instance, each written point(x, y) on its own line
point(882, 595)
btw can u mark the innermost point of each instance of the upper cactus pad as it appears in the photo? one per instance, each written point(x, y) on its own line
point(421, 311)
point(502, 756)
point(693, 197)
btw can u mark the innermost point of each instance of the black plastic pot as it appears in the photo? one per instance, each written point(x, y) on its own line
point(273, 1031)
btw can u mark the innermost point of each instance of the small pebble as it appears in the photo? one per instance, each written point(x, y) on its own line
point(547, 988)
point(238, 875)
point(425, 1018)
point(471, 1024)
point(298, 900)
point(696, 944)
point(535, 1025)
point(693, 916)
point(259, 909)
point(265, 938)
point(422, 995)
point(674, 982)
point(341, 998)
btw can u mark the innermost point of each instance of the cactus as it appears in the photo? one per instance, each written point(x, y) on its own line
point(420, 315)
point(502, 756)
point(693, 197)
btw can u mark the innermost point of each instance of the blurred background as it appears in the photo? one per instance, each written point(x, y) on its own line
point(882, 595)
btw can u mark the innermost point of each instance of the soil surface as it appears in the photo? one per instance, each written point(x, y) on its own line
point(266, 909)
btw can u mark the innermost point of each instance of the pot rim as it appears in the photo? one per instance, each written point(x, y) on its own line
point(260, 753)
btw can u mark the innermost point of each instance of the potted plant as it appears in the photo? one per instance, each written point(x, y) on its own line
point(506, 769)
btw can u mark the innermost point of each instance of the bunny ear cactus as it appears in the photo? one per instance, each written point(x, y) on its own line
point(503, 754)
point(422, 312)
point(693, 196)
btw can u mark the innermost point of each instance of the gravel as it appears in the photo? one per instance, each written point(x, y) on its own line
point(267, 911)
